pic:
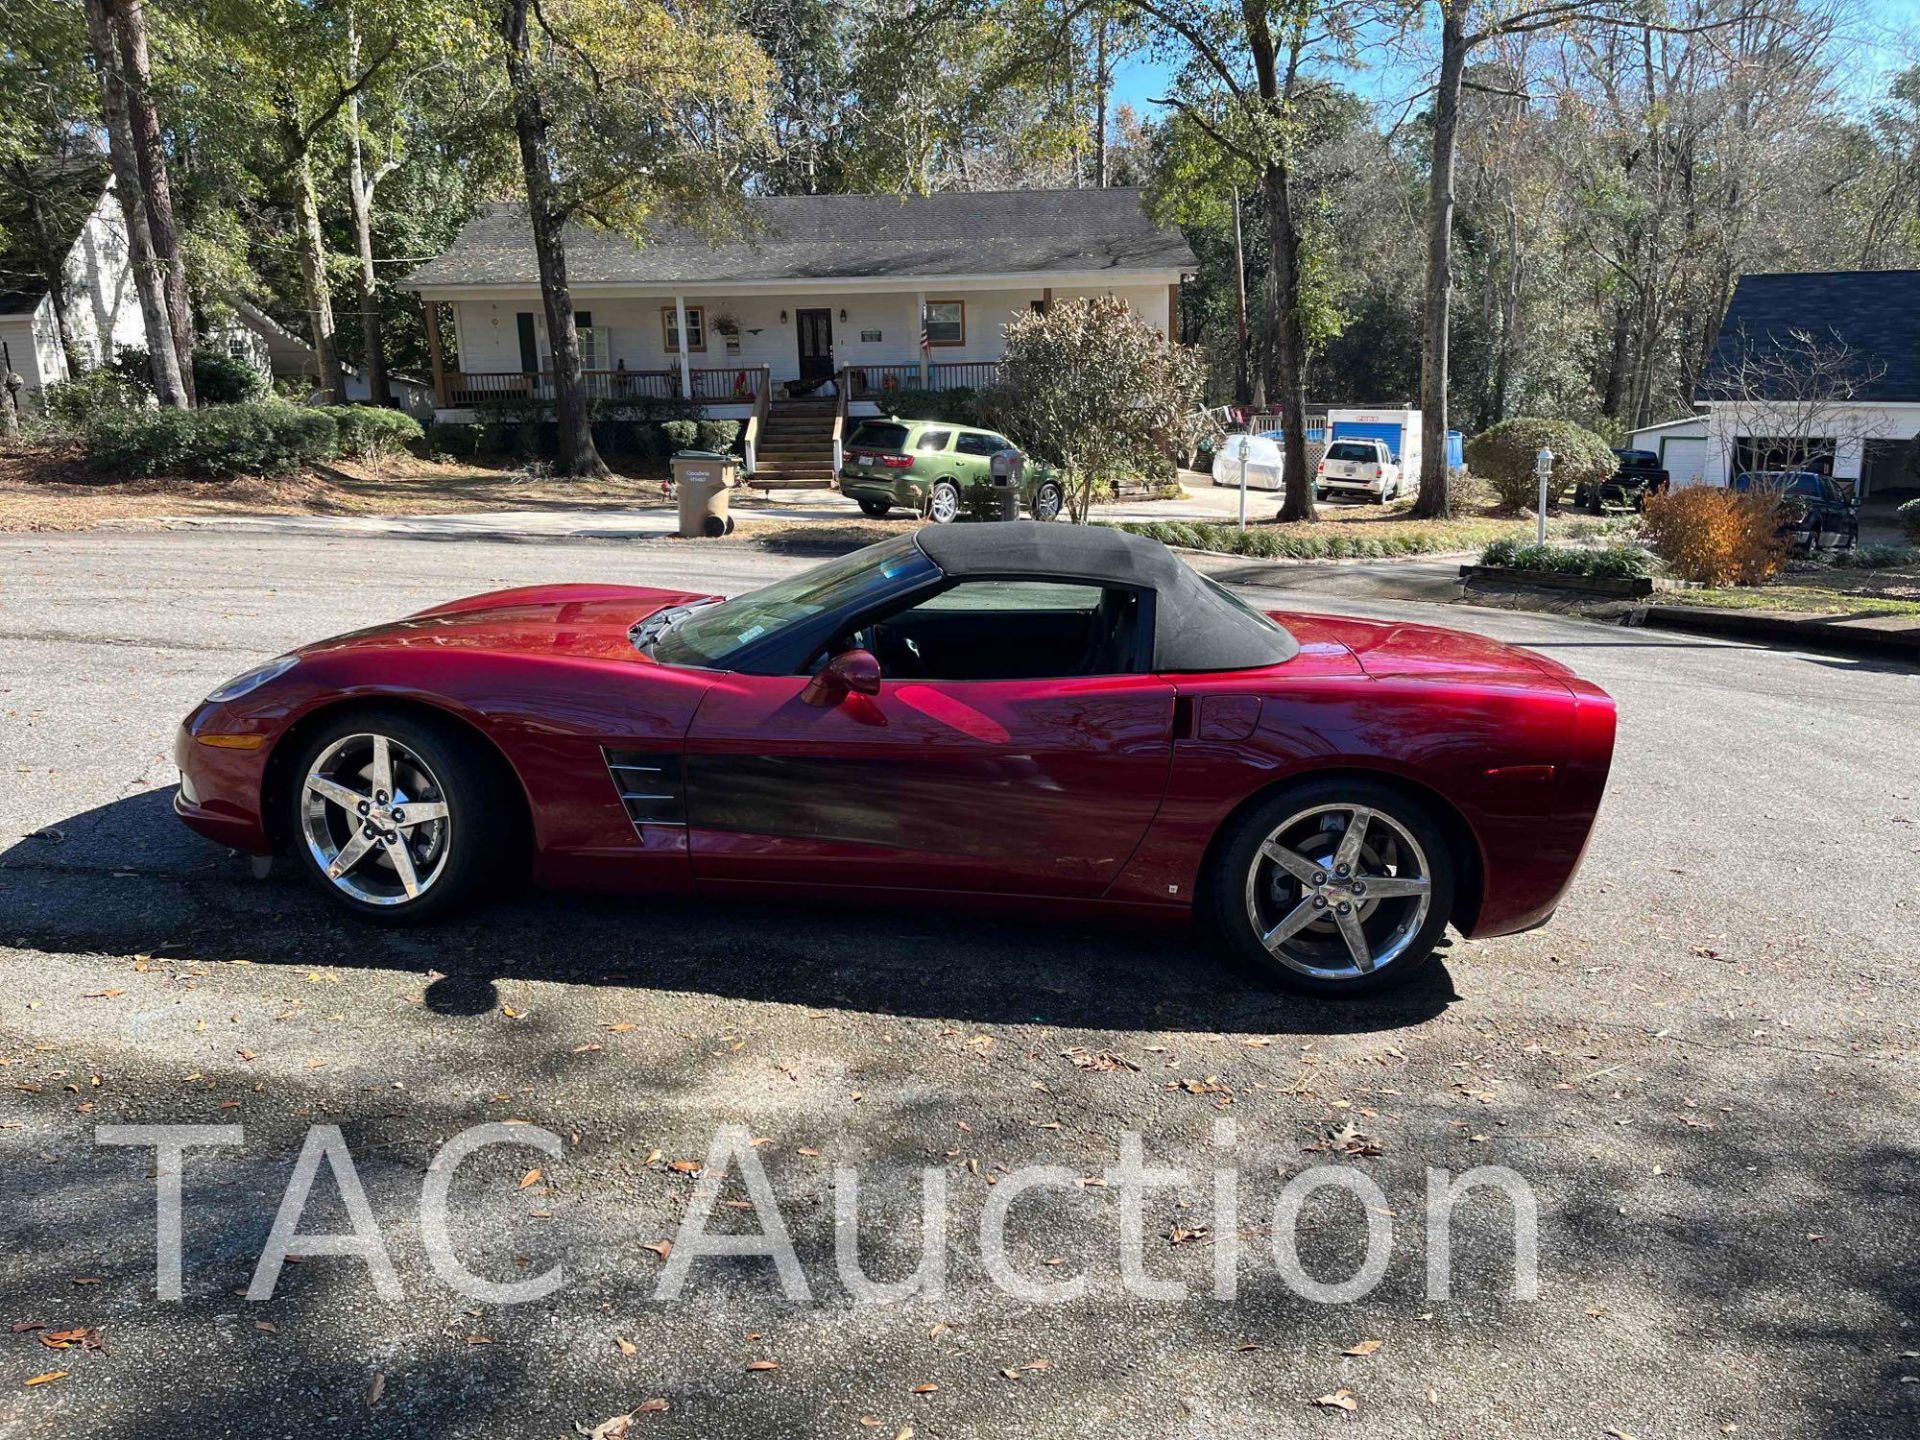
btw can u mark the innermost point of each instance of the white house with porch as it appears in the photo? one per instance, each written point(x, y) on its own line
point(821, 308)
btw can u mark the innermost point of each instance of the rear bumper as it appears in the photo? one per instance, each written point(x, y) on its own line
point(1373, 488)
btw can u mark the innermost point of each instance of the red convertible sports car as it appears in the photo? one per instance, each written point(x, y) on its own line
point(1018, 711)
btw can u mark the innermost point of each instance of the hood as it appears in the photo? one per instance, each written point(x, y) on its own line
point(1392, 648)
point(582, 621)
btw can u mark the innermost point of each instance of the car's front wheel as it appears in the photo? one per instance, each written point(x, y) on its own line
point(1048, 501)
point(943, 503)
point(875, 509)
point(1336, 887)
point(398, 820)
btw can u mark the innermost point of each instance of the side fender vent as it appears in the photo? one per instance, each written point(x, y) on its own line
point(649, 785)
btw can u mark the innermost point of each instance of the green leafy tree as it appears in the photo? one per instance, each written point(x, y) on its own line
point(624, 113)
point(1089, 386)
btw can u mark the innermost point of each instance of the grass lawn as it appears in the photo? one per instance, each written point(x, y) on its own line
point(1900, 595)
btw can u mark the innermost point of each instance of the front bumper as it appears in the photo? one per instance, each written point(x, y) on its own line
point(220, 787)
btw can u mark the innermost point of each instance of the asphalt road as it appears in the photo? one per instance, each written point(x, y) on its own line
point(1704, 1070)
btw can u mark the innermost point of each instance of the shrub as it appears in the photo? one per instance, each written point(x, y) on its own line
point(220, 379)
point(369, 432)
point(73, 404)
point(716, 435)
point(1877, 557)
point(1503, 456)
point(1909, 516)
point(1613, 562)
point(958, 406)
point(1716, 536)
point(265, 438)
point(460, 441)
point(681, 434)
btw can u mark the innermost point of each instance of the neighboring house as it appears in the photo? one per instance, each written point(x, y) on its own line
point(264, 343)
point(101, 306)
point(1680, 444)
point(1820, 371)
point(827, 293)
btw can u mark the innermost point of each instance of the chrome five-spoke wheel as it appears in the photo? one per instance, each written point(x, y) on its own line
point(1338, 891)
point(375, 819)
point(1336, 885)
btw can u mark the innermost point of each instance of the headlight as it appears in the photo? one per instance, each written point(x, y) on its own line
point(253, 679)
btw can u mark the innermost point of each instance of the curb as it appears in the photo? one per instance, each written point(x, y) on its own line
point(1809, 634)
point(1605, 586)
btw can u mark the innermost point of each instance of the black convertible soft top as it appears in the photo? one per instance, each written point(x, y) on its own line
point(1197, 625)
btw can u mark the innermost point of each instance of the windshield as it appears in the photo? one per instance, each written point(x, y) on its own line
point(709, 637)
point(879, 435)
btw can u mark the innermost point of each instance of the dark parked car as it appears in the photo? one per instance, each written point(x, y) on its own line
point(1815, 513)
point(1639, 475)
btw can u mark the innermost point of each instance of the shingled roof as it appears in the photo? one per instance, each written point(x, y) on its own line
point(1873, 313)
point(832, 237)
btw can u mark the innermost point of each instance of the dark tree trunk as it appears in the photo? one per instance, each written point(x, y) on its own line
point(1435, 502)
point(1242, 382)
point(162, 359)
point(130, 22)
point(1286, 335)
point(578, 456)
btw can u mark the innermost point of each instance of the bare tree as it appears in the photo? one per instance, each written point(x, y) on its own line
point(1790, 401)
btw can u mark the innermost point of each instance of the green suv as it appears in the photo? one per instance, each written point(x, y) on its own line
point(928, 466)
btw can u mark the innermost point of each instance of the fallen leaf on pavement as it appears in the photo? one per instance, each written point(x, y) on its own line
point(656, 1406)
point(763, 1365)
point(1363, 1347)
point(1341, 1399)
point(926, 1387)
point(662, 1248)
point(47, 1379)
point(532, 1177)
point(627, 1347)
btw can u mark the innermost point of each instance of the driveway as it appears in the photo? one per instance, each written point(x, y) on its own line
point(1703, 1072)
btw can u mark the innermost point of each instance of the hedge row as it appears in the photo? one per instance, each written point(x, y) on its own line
point(266, 437)
point(1613, 562)
point(531, 438)
point(1280, 542)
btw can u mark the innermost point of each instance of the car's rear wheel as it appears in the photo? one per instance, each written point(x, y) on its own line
point(877, 509)
point(943, 503)
point(1336, 887)
point(397, 820)
point(1048, 501)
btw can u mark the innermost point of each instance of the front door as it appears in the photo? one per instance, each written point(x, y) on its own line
point(1015, 746)
point(815, 329)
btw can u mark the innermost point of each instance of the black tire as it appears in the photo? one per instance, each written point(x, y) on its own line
point(483, 822)
point(875, 509)
point(1226, 910)
point(945, 497)
point(1049, 501)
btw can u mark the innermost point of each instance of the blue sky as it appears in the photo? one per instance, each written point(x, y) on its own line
point(1892, 42)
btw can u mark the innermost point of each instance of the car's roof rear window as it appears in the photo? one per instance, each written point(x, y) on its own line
point(880, 435)
point(1350, 450)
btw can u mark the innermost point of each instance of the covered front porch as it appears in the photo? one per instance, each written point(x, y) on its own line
point(740, 343)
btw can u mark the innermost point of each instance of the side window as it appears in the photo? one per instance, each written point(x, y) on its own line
point(931, 441)
point(1012, 630)
point(971, 444)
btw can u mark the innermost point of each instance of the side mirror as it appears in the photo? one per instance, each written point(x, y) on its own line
point(853, 672)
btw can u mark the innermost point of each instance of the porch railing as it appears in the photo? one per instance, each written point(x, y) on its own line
point(869, 382)
point(732, 384)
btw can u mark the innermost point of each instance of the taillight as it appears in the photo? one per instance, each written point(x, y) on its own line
point(1321, 469)
point(897, 462)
